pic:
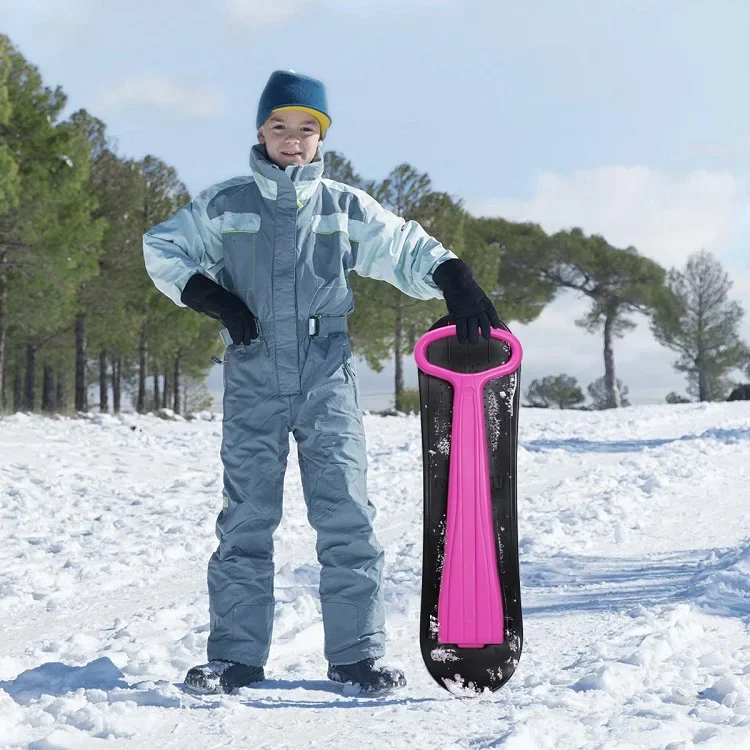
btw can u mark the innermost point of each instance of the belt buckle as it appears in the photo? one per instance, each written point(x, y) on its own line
point(313, 325)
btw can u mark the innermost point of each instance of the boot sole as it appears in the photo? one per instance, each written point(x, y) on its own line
point(220, 690)
point(202, 686)
point(368, 693)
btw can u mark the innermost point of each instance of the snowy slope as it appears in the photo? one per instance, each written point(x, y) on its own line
point(635, 542)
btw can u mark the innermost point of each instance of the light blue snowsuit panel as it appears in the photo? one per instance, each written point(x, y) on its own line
point(285, 240)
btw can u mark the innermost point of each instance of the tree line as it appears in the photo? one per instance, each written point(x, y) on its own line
point(79, 314)
point(693, 316)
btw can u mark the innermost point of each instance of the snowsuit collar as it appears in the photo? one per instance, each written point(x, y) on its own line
point(268, 175)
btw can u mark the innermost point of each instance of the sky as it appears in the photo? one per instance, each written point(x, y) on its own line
point(627, 118)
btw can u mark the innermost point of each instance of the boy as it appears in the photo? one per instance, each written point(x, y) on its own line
point(268, 255)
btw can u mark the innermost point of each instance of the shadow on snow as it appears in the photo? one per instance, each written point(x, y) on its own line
point(580, 445)
point(569, 583)
point(58, 679)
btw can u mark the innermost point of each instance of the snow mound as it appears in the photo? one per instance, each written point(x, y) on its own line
point(726, 584)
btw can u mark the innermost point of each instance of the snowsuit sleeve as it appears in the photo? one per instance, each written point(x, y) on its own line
point(187, 243)
point(397, 251)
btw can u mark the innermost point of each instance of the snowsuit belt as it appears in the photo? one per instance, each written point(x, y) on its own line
point(323, 325)
point(317, 325)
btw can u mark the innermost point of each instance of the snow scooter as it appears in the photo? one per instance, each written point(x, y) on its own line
point(470, 626)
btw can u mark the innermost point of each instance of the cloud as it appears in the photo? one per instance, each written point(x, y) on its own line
point(665, 216)
point(50, 27)
point(259, 13)
point(160, 92)
point(264, 13)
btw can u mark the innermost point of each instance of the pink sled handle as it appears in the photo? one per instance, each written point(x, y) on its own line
point(420, 354)
point(470, 604)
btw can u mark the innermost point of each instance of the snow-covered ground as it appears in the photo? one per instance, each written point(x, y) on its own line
point(635, 547)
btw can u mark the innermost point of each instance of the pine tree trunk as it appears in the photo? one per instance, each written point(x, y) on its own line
point(61, 400)
point(412, 337)
point(4, 384)
point(103, 389)
point(167, 390)
point(176, 382)
point(398, 359)
point(157, 392)
point(704, 393)
point(116, 393)
point(610, 378)
point(29, 397)
point(48, 389)
point(700, 358)
point(17, 383)
point(703, 388)
point(81, 389)
point(141, 403)
point(3, 305)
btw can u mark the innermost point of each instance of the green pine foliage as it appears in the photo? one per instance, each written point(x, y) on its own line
point(676, 398)
point(561, 391)
point(520, 292)
point(48, 234)
point(9, 178)
point(76, 305)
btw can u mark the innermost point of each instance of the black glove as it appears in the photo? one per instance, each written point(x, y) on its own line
point(467, 303)
point(206, 296)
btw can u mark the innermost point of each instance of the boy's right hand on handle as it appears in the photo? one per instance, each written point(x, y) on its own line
point(206, 296)
point(470, 307)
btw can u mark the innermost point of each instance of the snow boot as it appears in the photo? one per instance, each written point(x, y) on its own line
point(222, 676)
point(372, 680)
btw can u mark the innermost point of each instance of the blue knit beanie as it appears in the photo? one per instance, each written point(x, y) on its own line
point(285, 88)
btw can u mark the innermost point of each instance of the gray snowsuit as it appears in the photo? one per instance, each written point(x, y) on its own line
point(285, 240)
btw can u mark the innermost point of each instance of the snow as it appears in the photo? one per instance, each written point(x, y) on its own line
point(635, 564)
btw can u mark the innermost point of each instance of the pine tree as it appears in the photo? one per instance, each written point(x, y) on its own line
point(48, 240)
point(9, 177)
point(618, 283)
point(703, 327)
point(562, 391)
point(600, 396)
point(386, 321)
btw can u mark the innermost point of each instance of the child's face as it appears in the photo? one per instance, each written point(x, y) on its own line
point(291, 137)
